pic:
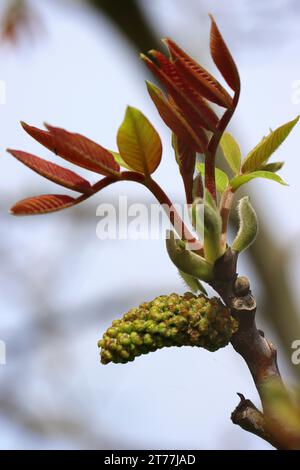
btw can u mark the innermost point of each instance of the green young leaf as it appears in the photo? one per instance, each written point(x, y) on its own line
point(197, 217)
point(248, 225)
point(222, 180)
point(208, 199)
point(262, 152)
point(238, 181)
point(138, 142)
point(212, 229)
point(186, 260)
point(120, 160)
point(231, 152)
point(273, 167)
point(192, 283)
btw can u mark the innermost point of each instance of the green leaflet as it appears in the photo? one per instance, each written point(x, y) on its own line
point(191, 282)
point(210, 200)
point(138, 142)
point(267, 146)
point(248, 225)
point(231, 152)
point(242, 179)
point(222, 180)
point(273, 167)
point(120, 160)
point(186, 260)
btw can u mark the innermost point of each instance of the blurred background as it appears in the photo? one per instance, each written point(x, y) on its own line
point(75, 64)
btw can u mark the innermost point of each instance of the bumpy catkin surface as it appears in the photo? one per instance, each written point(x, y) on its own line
point(168, 320)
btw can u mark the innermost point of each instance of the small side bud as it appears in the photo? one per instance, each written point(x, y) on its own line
point(248, 225)
point(242, 286)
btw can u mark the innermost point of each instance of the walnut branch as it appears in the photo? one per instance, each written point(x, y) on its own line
point(249, 418)
point(258, 353)
point(248, 341)
point(157, 192)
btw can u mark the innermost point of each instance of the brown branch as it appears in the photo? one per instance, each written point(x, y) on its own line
point(167, 205)
point(258, 353)
point(158, 193)
point(210, 154)
point(248, 341)
point(249, 418)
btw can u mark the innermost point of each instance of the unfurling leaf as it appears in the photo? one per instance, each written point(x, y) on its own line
point(222, 57)
point(76, 149)
point(138, 142)
point(262, 152)
point(42, 204)
point(231, 152)
point(203, 112)
point(248, 225)
point(198, 78)
point(186, 159)
point(53, 172)
point(212, 229)
point(222, 180)
point(238, 181)
point(175, 121)
point(192, 283)
point(273, 167)
point(186, 260)
point(192, 106)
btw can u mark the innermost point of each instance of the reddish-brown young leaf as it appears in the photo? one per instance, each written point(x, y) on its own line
point(186, 97)
point(197, 77)
point(42, 204)
point(200, 132)
point(222, 57)
point(186, 159)
point(76, 149)
point(53, 172)
point(193, 107)
point(175, 121)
